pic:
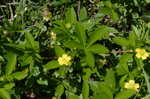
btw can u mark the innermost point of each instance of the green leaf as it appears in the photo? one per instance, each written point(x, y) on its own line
point(51, 65)
point(30, 39)
point(11, 64)
point(59, 51)
point(4, 94)
point(20, 75)
point(90, 59)
point(73, 45)
point(106, 10)
point(59, 90)
point(110, 79)
point(30, 43)
point(42, 81)
point(25, 59)
point(122, 67)
point(9, 85)
point(71, 16)
point(61, 72)
point(98, 49)
point(90, 23)
point(121, 41)
point(80, 32)
point(101, 90)
point(101, 33)
point(108, 4)
point(132, 39)
point(85, 89)
point(125, 94)
point(83, 14)
point(19, 47)
point(114, 16)
point(70, 95)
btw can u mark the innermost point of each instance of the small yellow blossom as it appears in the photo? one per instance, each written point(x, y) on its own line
point(64, 60)
point(54, 97)
point(53, 35)
point(141, 53)
point(131, 85)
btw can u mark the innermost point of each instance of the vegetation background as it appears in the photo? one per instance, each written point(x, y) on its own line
point(74, 49)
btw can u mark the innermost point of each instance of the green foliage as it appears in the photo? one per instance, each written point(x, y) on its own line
point(4, 94)
point(51, 65)
point(107, 43)
point(11, 64)
point(126, 94)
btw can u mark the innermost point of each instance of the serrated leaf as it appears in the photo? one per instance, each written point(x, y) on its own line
point(59, 51)
point(4, 94)
point(110, 79)
point(121, 41)
point(100, 33)
point(31, 43)
point(11, 64)
point(90, 59)
point(30, 39)
point(122, 67)
point(51, 65)
point(20, 75)
point(114, 16)
point(125, 94)
point(101, 90)
point(71, 16)
point(83, 14)
point(98, 49)
point(80, 32)
point(73, 45)
point(19, 47)
point(59, 90)
point(132, 39)
point(9, 85)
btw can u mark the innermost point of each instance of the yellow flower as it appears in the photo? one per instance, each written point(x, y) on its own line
point(131, 85)
point(54, 97)
point(53, 35)
point(141, 53)
point(64, 60)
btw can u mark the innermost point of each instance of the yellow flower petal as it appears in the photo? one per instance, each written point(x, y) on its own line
point(64, 60)
point(136, 86)
point(141, 53)
point(138, 50)
point(131, 81)
point(131, 85)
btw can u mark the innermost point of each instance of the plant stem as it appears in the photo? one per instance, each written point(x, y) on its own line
point(147, 80)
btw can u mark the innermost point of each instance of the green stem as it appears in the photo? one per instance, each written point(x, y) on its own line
point(141, 67)
point(147, 80)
